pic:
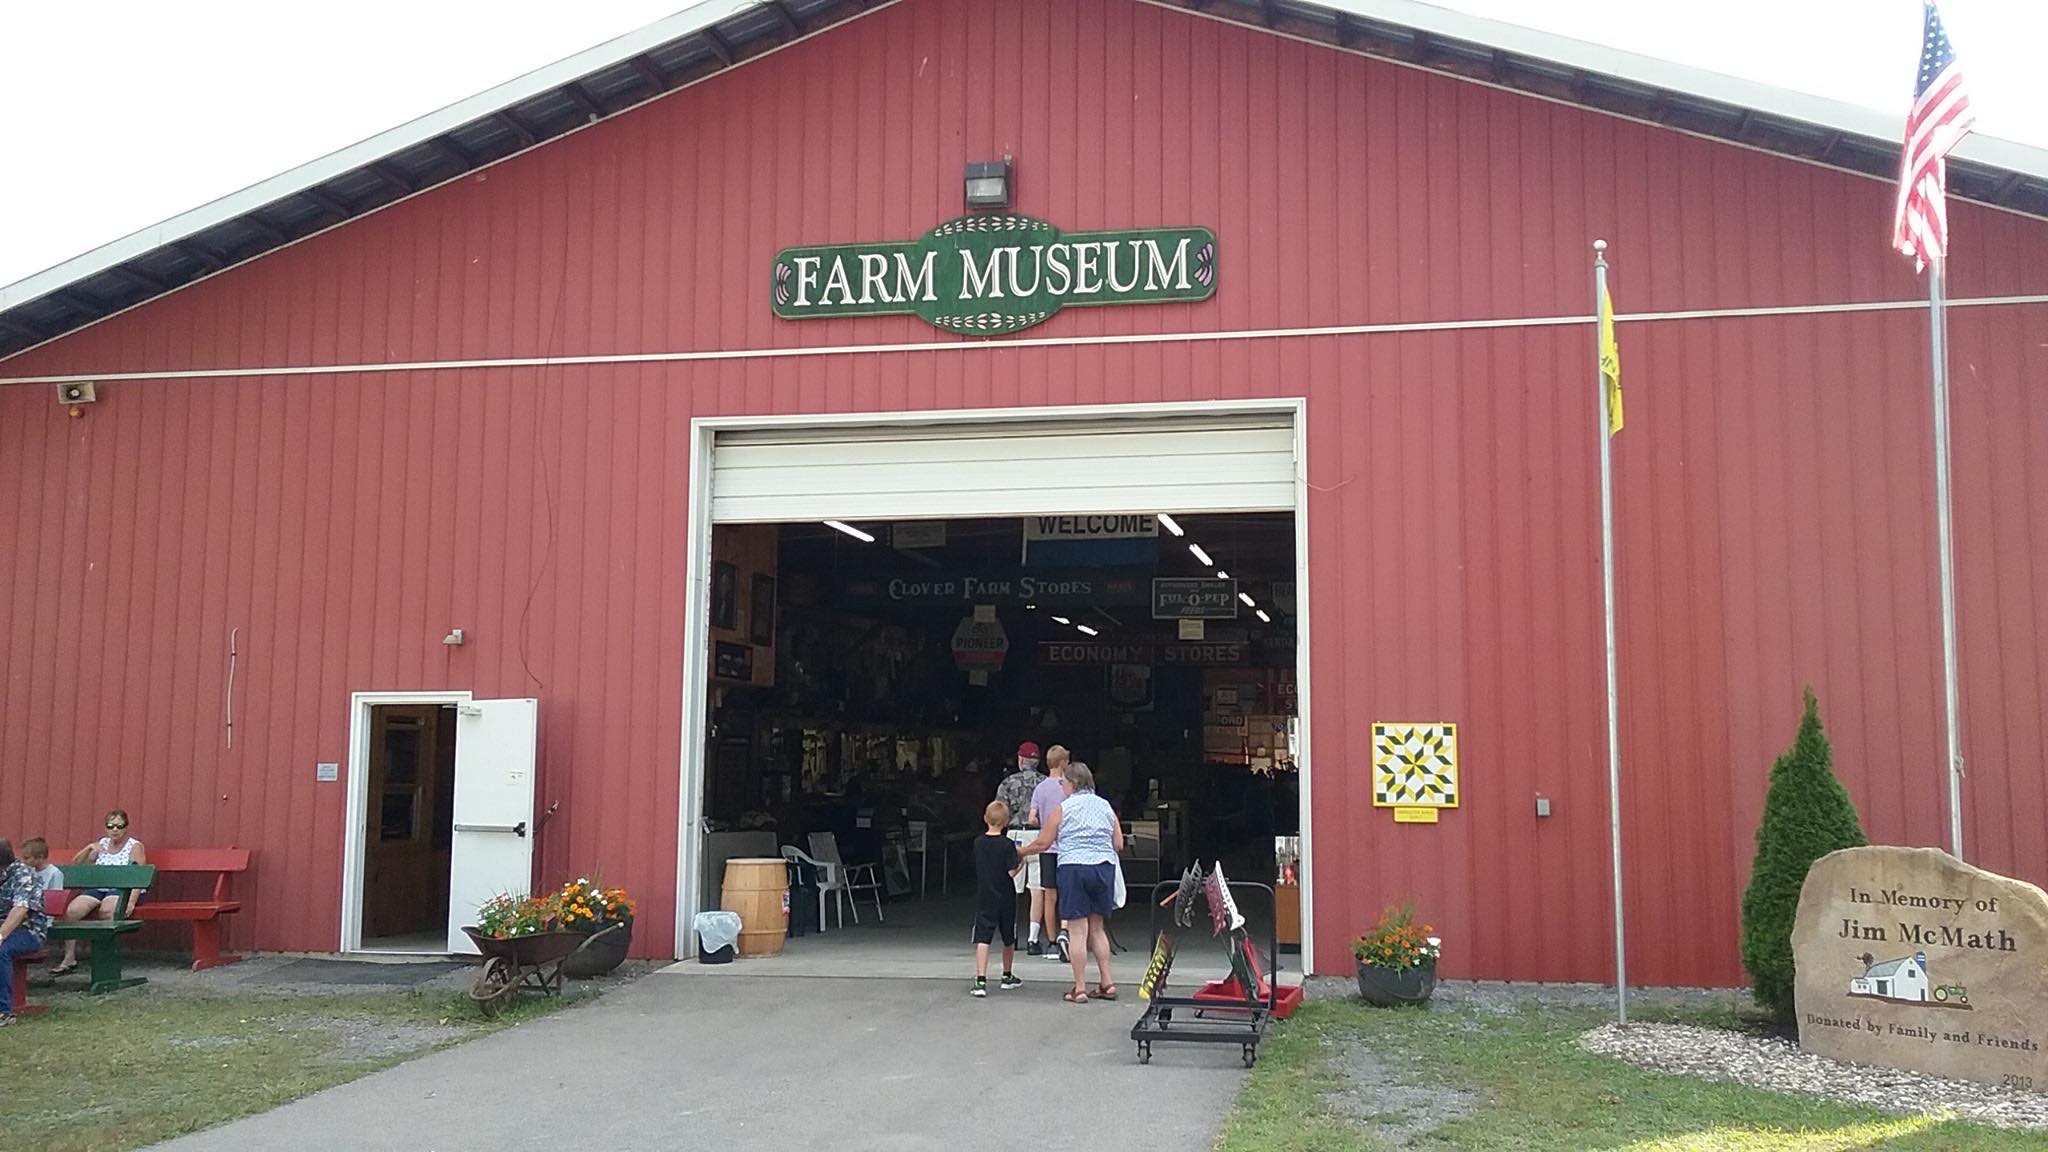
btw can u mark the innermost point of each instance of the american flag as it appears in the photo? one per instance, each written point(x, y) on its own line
point(1941, 116)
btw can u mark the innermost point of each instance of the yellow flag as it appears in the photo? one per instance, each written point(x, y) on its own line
point(1610, 363)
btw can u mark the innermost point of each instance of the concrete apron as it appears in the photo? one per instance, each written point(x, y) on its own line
point(771, 1065)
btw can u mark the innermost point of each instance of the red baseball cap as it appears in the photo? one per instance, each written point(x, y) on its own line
point(1027, 748)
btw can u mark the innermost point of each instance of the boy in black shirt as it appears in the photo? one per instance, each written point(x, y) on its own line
point(995, 896)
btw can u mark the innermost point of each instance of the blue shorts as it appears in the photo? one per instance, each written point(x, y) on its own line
point(1087, 890)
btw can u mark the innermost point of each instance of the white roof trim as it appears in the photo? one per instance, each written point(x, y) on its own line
point(693, 19)
point(1835, 115)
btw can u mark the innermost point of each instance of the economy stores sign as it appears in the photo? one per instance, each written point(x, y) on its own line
point(995, 273)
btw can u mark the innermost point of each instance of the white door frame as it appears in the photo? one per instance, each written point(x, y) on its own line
point(697, 603)
point(356, 829)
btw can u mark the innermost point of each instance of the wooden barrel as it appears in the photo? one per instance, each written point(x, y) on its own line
point(757, 887)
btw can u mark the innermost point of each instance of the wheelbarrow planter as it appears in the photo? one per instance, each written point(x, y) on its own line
point(532, 962)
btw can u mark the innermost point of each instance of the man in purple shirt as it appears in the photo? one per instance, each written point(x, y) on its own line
point(1044, 799)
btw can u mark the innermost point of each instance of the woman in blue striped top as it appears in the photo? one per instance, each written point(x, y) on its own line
point(1086, 835)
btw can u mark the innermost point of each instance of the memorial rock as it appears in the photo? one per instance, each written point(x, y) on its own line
point(1909, 958)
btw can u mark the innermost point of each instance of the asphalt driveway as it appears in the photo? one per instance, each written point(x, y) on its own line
point(774, 1063)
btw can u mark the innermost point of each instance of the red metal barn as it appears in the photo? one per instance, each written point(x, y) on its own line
point(470, 402)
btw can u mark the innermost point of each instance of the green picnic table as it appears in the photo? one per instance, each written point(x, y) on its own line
point(103, 935)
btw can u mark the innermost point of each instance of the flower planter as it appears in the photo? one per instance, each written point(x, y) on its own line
point(604, 951)
point(1388, 988)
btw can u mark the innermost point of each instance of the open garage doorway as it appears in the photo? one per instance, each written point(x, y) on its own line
point(867, 680)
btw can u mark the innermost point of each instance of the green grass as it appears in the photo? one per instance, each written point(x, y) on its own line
point(104, 1073)
point(1528, 1086)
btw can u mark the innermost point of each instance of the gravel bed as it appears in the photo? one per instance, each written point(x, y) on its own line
point(1781, 1066)
point(1495, 997)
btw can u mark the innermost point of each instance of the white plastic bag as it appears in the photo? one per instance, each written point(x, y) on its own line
point(1119, 882)
point(717, 930)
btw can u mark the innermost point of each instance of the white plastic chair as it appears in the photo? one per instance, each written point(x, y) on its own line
point(831, 880)
point(855, 878)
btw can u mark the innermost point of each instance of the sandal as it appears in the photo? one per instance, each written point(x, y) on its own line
point(1076, 996)
point(63, 969)
point(1103, 992)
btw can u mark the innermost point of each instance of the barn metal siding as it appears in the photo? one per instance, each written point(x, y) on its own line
point(1774, 509)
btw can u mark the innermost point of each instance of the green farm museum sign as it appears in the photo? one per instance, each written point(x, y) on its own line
point(992, 273)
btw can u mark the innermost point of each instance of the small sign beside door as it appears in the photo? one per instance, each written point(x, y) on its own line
point(326, 773)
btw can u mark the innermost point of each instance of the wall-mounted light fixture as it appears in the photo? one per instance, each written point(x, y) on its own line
point(454, 638)
point(989, 184)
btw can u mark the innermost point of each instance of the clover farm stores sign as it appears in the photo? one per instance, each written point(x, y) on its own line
point(995, 273)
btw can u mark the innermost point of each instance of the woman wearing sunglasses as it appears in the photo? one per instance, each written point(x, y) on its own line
point(116, 847)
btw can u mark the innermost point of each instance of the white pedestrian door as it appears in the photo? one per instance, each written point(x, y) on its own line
point(493, 843)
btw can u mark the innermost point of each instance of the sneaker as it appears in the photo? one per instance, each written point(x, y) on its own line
point(1052, 953)
point(980, 987)
point(1060, 945)
point(1010, 981)
point(1036, 949)
point(6, 1020)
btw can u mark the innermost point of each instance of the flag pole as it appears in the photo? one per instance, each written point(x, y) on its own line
point(1613, 692)
point(1937, 303)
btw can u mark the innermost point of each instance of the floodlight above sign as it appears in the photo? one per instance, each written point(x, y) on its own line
point(994, 272)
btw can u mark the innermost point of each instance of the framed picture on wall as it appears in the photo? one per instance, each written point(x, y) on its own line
point(732, 661)
point(725, 594)
point(761, 625)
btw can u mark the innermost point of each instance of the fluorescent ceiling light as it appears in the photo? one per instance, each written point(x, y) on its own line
point(1167, 522)
point(1086, 629)
point(1263, 618)
point(1201, 555)
point(1247, 598)
point(1061, 620)
point(1222, 575)
point(850, 530)
point(1031, 607)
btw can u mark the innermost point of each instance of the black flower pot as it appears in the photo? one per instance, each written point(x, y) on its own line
point(604, 951)
point(1388, 988)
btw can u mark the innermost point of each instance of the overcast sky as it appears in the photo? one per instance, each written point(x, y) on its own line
point(124, 113)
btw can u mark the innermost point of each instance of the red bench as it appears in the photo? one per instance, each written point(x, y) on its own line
point(54, 901)
point(203, 915)
point(20, 977)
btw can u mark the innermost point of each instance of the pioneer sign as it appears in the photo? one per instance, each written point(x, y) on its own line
point(993, 273)
point(1910, 958)
point(979, 644)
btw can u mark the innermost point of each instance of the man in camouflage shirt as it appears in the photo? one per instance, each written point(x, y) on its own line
point(1015, 790)
point(23, 923)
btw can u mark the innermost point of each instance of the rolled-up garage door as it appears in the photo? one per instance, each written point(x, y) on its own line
point(1241, 462)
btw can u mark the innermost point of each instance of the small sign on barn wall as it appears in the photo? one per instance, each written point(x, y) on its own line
point(992, 273)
